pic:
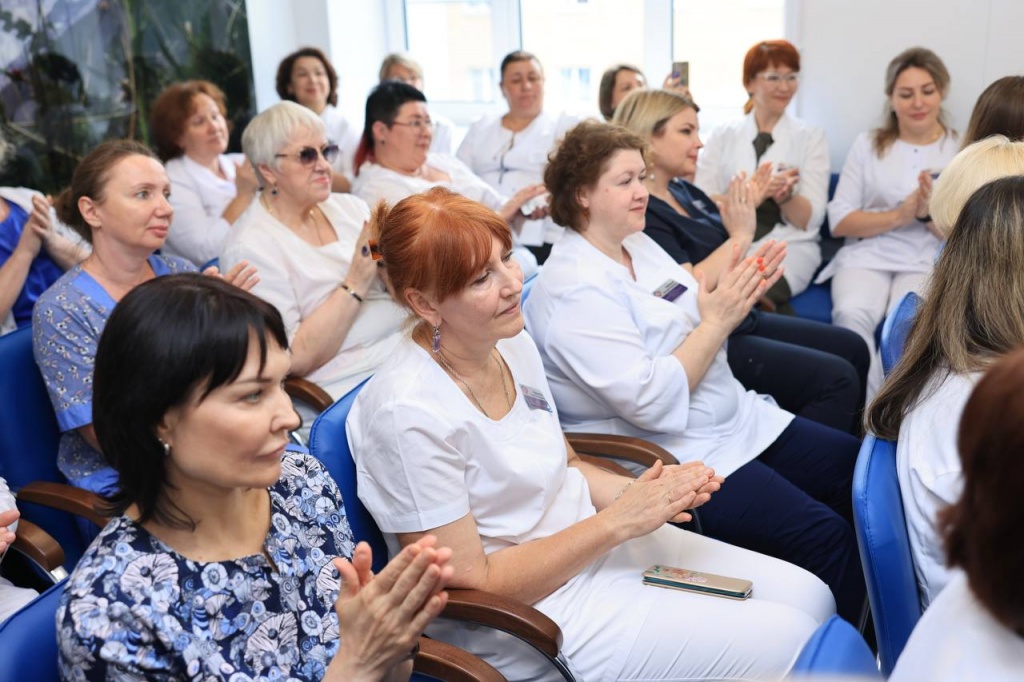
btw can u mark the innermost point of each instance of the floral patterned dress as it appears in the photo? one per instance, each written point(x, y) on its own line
point(134, 609)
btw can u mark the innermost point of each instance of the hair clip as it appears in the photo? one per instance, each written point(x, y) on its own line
point(375, 249)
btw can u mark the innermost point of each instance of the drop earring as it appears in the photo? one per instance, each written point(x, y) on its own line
point(435, 343)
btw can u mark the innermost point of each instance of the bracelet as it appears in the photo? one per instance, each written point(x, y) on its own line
point(925, 219)
point(414, 652)
point(351, 292)
point(624, 488)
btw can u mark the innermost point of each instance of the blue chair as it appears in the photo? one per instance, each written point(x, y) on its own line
point(815, 302)
point(28, 640)
point(29, 439)
point(896, 328)
point(885, 548)
point(836, 648)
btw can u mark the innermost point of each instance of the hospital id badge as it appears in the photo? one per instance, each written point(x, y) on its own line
point(534, 398)
point(670, 290)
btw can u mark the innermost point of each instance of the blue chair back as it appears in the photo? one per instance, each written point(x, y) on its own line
point(28, 640)
point(894, 331)
point(885, 548)
point(30, 437)
point(328, 442)
point(836, 649)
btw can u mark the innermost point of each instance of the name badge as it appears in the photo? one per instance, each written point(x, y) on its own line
point(670, 290)
point(534, 398)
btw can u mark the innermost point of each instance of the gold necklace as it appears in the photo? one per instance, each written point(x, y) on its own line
point(312, 217)
point(472, 393)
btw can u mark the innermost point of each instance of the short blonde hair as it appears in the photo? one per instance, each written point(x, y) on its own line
point(645, 112)
point(399, 59)
point(976, 165)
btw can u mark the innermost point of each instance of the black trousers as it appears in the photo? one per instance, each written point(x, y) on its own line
point(812, 369)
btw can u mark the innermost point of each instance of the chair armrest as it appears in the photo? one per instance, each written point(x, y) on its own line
point(66, 498)
point(608, 465)
point(447, 662)
point(39, 546)
point(307, 392)
point(507, 615)
point(638, 450)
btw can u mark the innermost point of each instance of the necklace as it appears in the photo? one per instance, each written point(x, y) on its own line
point(312, 216)
point(472, 394)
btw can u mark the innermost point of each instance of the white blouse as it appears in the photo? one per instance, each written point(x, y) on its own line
point(375, 182)
point(607, 344)
point(199, 197)
point(510, 161)
point(297, 277)
point(869, 183)
point(928, 466)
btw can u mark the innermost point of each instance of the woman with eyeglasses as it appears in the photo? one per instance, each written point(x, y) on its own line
point(312, 250)
point(792, 185)
point(509, 151)
point(307, 77)
point(881, 204)
point(394, 160)
point(209, 188)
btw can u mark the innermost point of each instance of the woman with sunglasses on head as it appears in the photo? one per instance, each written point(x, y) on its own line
point(509, 151)
point(312, 250)
point(307, 77)
point(227, 558)
point(881, 202)
point(394, 160)
point(785, 157)
point(209, 188)
point(118, 202)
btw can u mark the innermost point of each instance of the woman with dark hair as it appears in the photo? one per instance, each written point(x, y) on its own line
point(117, 202)
point(881, 202)
point(394, 160)
point(974, 630)
point(509, 151)
point(312, 250)
point(209, 189)
point(972, 314)
point(616, 83)
point(791, 201)
point(225, 551)
point(815, 370)
point(35, 249)
point(493, 477)
point(307, 77)
point(634, 345)
point(998, 111)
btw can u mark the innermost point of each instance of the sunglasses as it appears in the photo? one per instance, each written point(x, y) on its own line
point(307, 156)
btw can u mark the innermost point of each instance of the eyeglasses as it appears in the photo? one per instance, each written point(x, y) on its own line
point(779, 79)
point(416, 124)
point(307, 156)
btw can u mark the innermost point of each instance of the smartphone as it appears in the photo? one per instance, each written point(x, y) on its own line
point(682, 72)
point(698, 581)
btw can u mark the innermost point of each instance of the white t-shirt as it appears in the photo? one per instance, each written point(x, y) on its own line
point(869, 183)
point(345, 135)
point(297, 277)
point(958, 640)
point(11, 598)
point(928, 465)
point(199, 197)
point(375, 182)
point(607, 345)
point(509, 161)
point(730, 149)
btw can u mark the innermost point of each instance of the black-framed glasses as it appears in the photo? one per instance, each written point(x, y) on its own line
point(416, 124)
point(307, 156)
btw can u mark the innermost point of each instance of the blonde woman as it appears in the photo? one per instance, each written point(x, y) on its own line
point(972, 314)
point(401, 67)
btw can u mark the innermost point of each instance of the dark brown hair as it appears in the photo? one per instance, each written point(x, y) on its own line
point(284, 74)
point(998, 111)
point(171, 111)
point(578, 162)
point(607, 88)
point(90, 180)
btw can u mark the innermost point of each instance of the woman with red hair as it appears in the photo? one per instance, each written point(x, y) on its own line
point(791, 204)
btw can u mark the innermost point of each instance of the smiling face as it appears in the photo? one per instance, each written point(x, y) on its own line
point(134, 213)
point(617, 203)
point(772, 90)
point(522, 85)
point(917, 102)
point(206, 131)
point(626, 81)
point(235, 436)
point(487, 309)
point(301, 184)
point(310, 83)
point(674, 150)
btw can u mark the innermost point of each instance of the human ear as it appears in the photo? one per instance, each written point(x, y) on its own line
point(379, 128)
point(424, 306)
point(88, 208)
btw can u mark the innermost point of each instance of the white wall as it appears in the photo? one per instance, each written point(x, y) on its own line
point(845, 47)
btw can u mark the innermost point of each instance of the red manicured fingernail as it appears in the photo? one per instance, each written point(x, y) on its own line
point(760, 260)
point(761, 268)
